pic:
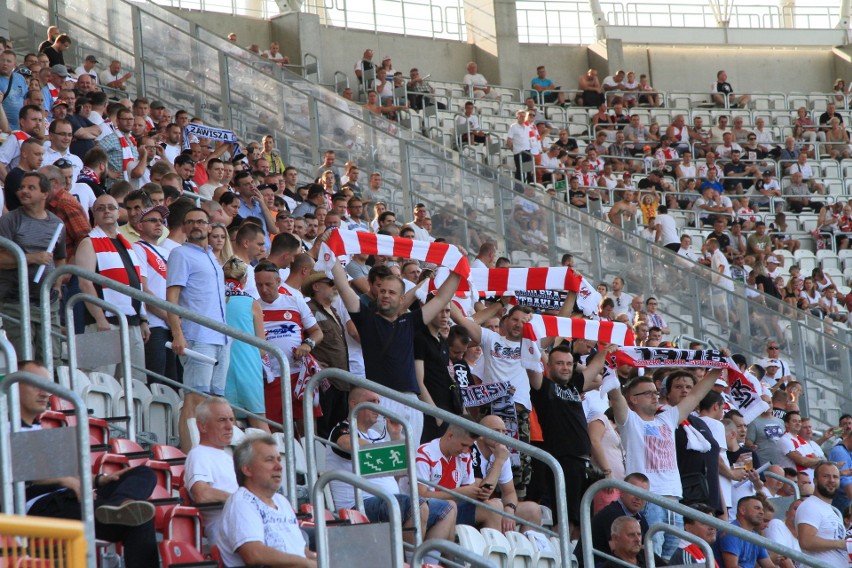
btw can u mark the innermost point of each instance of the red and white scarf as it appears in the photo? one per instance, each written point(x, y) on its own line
point(695, 551)
point(126, 152)
point(572, 328)
point(343, 242)
point(20, 135)
point(744, 394)
point(109, 264)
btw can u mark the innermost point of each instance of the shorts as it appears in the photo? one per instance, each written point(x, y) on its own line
point(376, 508)
point(466, 513)
point(272, 394)
point(203, 376)
point(438, 510)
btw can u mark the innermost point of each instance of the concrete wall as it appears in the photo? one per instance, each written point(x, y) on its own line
point(445, 60)
point(248, 30)
point(564, 64)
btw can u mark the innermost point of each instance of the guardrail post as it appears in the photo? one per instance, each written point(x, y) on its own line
point(138, 50)
point(697, 293)
point(225, 90)
point(316, 142)
point(405, 177)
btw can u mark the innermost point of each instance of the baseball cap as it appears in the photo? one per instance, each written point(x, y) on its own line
point(161, 209)
point(386, 58)
point(772, 259)
point(721, 383)
point(59, 70)
point(157, 104)
point(92, 58)
point(60, 102)
point(772, 363)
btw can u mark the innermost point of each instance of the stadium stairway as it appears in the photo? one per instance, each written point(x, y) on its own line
point(229, 87)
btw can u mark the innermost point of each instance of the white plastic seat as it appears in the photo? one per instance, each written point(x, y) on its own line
point(806, 260)
point(162, 413)
point(63, 377)
point(470, 539)
point(497, 548)
point(828, 259)
point(546, 552)
point(523, 553)
point(101, 393)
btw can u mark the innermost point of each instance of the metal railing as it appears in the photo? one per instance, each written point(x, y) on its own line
point(426, 18)
point(448, 417)
point(267, 9)
point(87, 500)
point(273, 350)
point(589, 551)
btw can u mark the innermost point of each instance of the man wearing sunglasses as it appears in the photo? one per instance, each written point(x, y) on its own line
point(780, 373)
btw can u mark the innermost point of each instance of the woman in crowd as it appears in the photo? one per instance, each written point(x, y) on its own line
point(220, 243)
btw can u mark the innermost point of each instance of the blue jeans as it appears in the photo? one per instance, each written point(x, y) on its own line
point(665, 543)
point(157, 357)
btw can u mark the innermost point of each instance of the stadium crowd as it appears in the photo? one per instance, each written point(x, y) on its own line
point(113, 175)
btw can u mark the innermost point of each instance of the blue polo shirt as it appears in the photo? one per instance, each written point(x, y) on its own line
point(198, 272)
point(747, 553)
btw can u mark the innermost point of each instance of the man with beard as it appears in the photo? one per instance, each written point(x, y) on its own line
point(820, 526)
point(738, 553)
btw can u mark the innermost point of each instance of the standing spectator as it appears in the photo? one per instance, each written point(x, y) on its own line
point(151, 223)
point(67, 208)
point(738, 552)
point(196, 282)
point(289, 324)
point(258, 524)
point(762, 435)
point(666, 229)
point(501, 356)
point(558, 403)
point(821, 529)
point(14, 86)
point(108, 253)
point(126, 161)
point(649, 442)
point(55, 52)
point(31, 123)
point(431, 365)
point(31, 227)
point(795, 451)
point(209, 472)
point(519, 140)
point(387, 336)
point(841, 454)
point(244, 384)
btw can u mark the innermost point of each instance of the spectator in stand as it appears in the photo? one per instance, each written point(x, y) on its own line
point(421, 233)
point(794, 450)
point(613, 83)
point(192, 272)
point(518, 140)
point(666, 229)
point(67, 208)
point(626, 543)
point(477, 84)
point(126, 161)
point(544, 91)
point(258, 525)
point(722, 93)
point(56, 52)
point(486, 256)
point(274, 54)
point(31, 123)
point(122, 513)
point(113, 78)
point(209, 471)
point(468, 128)
point(591, 91)
point(821, 531)
point(447, 462)
point(690, 553)
point(14, 86)
point(558, 403)
point(736, 552)
point(802, 166)
point(825, 119)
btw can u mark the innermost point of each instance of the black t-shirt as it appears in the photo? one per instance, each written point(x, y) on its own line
point(569, 146)
point(724, 87)
point(723, 240)
point(10, 189)
point(55, 57)
point(561, 416)
point(825, 118)
point(732, 168)
point(646, 183)
point(388, 348)
point(707, 463)
point(435, 354)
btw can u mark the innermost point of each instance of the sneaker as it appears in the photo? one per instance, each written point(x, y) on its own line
point(131, 514)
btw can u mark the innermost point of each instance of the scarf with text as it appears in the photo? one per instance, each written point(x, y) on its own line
point(744, 394)
point(342, 242)
point(478, 395)
point(211, 133)
point(541, 326)
point(128, 144)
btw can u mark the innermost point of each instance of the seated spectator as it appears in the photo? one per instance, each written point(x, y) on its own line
point(447, 462)
point(740, 553)
point(209, 471)
point(723, 94)
point(795, 450)
point(543, 89)
point(689, 553)
point(258, 524)
point(650, 96)
point(468, 128)
point(626, 544)
point(437, 516)
point(802, 166)
point(759, 244)
point(122, 513)
point(591, 91)
point(477, 84)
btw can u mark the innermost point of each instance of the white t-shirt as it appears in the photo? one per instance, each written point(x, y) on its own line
point(718, 430)
point(788, 443)
point(668, 228)
point(622, 303)
point(502, 363)
point(486, 465)
point(649, 448)
point(170, 152)
point(84, 195)
point(343, 494)
point(777, 531)
point(521, 138)
point(829, 525)
point(721, 267)
point(216, 467)
point(248, 519)
point(82, 71)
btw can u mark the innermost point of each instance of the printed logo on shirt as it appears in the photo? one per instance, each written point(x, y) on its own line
point(773, 431)
point(505, 352)
point(568, 393)
point(283, 330)
point(659, 448)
